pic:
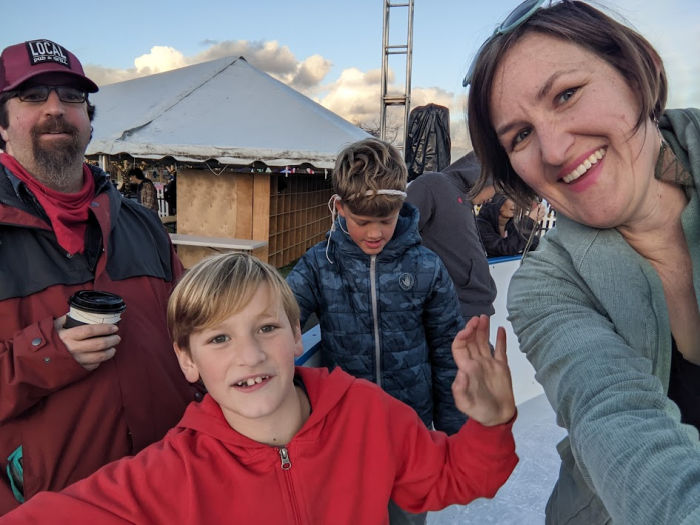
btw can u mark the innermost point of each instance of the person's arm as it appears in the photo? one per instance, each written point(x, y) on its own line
point(43, 358)
point(496, 246)
point(151, 487)
point(442, 319)
point(436, 470)
point(525, 230)
point(520, 233)
point(625, 434)
point(303, 280)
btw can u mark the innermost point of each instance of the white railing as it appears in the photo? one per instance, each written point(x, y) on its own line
point(163, 208)
point(549, 220)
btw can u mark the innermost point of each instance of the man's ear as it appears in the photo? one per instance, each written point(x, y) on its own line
point(187, 365)
point(3, 134)
point(339, 207)
point(298, 345)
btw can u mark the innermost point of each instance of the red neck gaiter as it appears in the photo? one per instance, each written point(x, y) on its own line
point(67, 212)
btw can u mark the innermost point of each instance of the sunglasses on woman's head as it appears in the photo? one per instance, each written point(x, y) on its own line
point(519, 15)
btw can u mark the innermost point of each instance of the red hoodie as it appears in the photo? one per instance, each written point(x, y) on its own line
point(358, 448)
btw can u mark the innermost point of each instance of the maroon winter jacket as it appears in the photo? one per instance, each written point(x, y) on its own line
point(68, 421)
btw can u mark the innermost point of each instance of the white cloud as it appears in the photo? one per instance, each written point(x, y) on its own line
point(161, 58)
point(311, 72)
point(268, 56)
point(354, 96)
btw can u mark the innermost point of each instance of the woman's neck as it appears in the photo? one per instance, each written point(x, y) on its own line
point(657, 230)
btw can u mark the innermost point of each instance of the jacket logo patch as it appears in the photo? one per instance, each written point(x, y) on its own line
point(406, 281)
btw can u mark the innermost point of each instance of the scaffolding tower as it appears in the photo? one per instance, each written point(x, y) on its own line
point(406, 50)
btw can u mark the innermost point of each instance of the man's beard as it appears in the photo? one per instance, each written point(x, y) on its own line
point(56, 163)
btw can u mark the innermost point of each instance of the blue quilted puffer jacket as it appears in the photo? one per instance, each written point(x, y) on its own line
point(389, 318)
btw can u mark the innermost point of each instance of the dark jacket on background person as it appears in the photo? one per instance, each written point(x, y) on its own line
point(389, 318)
point(447, 227)
point(516, 234)
point(69, 421)
point(170, 195)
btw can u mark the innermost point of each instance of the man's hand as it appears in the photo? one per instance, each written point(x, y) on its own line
point(89, 344)
point(482, 388)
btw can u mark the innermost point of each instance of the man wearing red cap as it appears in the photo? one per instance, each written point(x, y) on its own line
point(73, 399)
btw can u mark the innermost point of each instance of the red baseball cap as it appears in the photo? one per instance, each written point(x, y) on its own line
point(23, 61)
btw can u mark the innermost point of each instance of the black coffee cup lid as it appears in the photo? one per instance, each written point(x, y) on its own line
point(96, 301)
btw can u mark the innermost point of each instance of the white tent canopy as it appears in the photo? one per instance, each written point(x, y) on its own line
point(225, 110)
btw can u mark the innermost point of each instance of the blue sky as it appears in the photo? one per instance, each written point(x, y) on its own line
point(328, 49)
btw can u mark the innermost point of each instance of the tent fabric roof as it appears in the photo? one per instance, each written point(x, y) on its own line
point(225, 110)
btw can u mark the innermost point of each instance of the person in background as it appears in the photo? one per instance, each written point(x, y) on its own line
point(73, 399)
point(145, 190)
point(568, 104)
point(502, 233)
point(386, 305)
point(272, 443)
point(170, 190)
point(447, 226)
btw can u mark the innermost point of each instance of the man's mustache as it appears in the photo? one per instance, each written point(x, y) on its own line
point(54, 125)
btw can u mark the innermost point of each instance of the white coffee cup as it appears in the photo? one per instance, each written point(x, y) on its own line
point(94, 307)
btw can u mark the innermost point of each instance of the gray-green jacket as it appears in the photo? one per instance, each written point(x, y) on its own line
point(591, 316)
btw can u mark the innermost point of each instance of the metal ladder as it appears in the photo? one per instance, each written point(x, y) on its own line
point(400, 49)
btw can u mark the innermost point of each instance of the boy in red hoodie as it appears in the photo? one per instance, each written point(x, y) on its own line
point(272, 443)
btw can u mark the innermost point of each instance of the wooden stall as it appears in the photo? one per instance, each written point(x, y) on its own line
point(299, 215)
point(290, 213)
point(232, 205)
point(253, 155)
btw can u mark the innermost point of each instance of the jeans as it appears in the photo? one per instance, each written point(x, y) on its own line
point(398, 516)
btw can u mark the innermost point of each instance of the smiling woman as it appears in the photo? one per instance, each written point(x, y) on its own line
point(568, 105)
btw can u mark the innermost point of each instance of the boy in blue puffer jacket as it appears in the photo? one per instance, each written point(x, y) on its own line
point(386, 305)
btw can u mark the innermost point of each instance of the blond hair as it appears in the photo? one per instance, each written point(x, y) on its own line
point(220, 286)
point(362, 169)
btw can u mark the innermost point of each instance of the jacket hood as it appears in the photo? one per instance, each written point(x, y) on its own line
point(104, 185)
point(490, 211)
point(405, 235)
point(681, 129)
point(207, 418)
point(466, 169)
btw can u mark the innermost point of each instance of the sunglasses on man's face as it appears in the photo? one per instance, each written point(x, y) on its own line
point(66, 94)
point(519, 15)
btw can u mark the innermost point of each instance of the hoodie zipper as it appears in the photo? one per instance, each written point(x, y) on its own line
point(375, 315)
point(284, 456)
point(286, 465)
